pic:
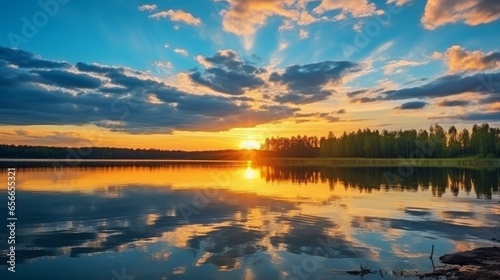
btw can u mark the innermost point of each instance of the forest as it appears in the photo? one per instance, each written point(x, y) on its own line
point(483, 141)
point(44, 152)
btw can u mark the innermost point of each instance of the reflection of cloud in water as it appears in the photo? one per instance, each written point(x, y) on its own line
point(83, 224)
point(160, 256)
point(225, 245)
point(237, 229)
point(458, 214)
point(317, 236)
point(417, 211)
point(179, 270)
point(403, 251)
point(231, 226)
point(450, 229)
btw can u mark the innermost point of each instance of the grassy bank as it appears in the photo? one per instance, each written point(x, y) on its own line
point(381, 162)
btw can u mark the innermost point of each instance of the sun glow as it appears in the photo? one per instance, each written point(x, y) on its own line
point(250, 145)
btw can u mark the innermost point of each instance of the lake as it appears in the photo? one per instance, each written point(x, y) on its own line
point(233, 220)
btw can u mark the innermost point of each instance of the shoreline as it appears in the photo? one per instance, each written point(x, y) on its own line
point(381, 162)
point(480, 263)
point(474, 163)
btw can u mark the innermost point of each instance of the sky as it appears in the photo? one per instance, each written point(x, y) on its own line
point(226, 74)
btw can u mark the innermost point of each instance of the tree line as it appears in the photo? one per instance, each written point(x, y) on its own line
point(483, 141)
point(44, 152)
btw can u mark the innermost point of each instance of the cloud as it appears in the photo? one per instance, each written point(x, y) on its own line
point(303, 34)
point(413, 105)
point(177, 16)
point(396, 65)
point(476, 117)
point(282, 46)
point(306, 18)
point(181, 52)
point(147, 7)
point(305, 83)
point(297, 98)
point(103, 69)
point(341, 111)
point(436, 55)
point(228, 74)
point(459, 59)
point(399, 2)
point(470, 12)
point(121, 99)
point(24, 59)
point(67, 79)
point(45, 137)
point(357, 92)
point(201, 60)
point(447, 86)
point(308, 117)
point(166, 65)
point(361, 8)
point(362, 100)
point(453, 103)
point(245, 17)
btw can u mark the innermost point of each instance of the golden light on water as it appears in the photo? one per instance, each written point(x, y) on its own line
point(250, 173)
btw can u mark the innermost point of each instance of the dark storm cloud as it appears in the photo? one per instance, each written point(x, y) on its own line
point(67, 79)
point(24, 59)
point(228, 74)
point(102, 69)
point(486, 116)
point(127, 103)
point(485, 84)
point(490, 116)
point(11, 76)
point(356, 92)
point(298, 98)
point(209, 105)
point(453, 103)
point(415, 81)
point(84, 67)
point(447, 86)
point(364, 99)
point(131, 82)
point(113, 89)
point(492, 58)
point(227, 81)
point(307, 117)
point(413, 105)
point(305, 82)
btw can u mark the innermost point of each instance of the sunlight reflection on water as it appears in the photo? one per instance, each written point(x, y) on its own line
point(262, 223)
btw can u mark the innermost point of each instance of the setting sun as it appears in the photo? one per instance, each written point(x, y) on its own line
point(250, 145)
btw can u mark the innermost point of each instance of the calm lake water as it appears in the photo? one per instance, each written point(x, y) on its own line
point(235, 221)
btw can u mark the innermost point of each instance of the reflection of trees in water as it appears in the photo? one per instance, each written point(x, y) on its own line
point(484, 182)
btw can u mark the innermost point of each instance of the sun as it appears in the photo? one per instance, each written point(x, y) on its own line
point(250, 145)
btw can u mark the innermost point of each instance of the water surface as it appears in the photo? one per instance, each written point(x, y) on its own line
point(231, 220)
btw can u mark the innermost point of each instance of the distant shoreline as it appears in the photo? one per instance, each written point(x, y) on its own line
point(260, 161)
point(382, 162)
point(59, 163)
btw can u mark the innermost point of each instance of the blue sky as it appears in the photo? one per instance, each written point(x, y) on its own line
point(234, 70)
